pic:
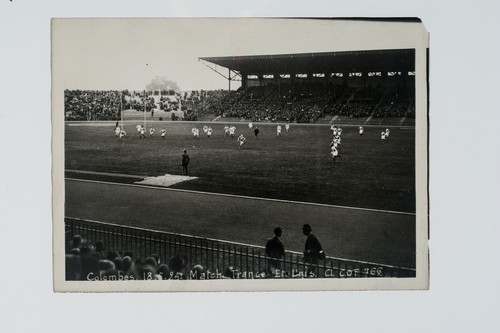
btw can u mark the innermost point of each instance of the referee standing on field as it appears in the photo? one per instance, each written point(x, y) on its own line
point(185, 162)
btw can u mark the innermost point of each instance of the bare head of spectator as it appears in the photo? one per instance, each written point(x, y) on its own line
point(151, 262)
point(164, 271)
point(197, 272)
point(127, 263)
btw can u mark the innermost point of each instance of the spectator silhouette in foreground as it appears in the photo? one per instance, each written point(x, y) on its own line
point(275, 250)
point(313, 252)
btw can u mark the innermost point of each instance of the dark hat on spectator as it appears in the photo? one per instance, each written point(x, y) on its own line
point(306, 227)
point(106, 265)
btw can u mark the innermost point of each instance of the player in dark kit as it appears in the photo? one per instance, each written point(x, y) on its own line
point(256, 132)
point(275, 250)
point(185, 162)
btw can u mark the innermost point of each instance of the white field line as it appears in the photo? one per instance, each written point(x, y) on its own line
point(105, 174)
point(229, 242)
point(112, 123)
point(244, 197)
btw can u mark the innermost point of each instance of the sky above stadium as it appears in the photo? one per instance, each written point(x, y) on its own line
point(112, 54)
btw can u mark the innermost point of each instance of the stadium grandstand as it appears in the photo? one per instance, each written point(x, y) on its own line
point(310, 86)
point(351, 86)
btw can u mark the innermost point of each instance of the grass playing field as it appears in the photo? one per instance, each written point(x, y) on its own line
point(295, 166)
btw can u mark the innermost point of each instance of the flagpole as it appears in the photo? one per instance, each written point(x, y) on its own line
point(121, 109)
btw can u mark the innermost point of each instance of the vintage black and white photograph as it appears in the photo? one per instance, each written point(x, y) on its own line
point(239, 154)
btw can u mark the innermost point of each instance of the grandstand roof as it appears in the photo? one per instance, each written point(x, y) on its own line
point(342, 62)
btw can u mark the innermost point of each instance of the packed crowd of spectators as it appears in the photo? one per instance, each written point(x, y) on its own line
point(299, 103)
point(105, 105)
point(285, 102)
point(91, 105)
point(86, 261)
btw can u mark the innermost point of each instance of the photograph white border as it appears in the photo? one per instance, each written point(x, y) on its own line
point(383, 35)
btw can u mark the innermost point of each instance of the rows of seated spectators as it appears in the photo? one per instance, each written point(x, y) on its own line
point(91, 105)
point(285, 102)
point(139, 103)
point(396, 102)
point(86, 261)
point(105, 105)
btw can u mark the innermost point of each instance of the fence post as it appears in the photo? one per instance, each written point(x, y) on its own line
point(218, 256)
point(223, 258)
point(212, 255)
point(259, 260)
point(247, 266)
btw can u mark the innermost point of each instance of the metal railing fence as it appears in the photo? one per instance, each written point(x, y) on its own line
point(219, 258)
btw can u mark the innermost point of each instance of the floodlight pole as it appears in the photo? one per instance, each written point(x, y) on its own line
point(229, 78)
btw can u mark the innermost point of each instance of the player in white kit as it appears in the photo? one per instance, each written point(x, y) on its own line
point(334, 153)
point(241, 141)
point(117, 131)
point(250, 125)
point(383, 136)
point(232, 129)
point(287, 127)
point(209, 132)
point(361, 130)
point(226, 130)
point(142, 132)
point(152, 131)
point(163, 132)
point(278, 130)
point(121, 135)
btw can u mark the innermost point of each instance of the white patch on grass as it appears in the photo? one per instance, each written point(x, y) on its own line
point(165, 180)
